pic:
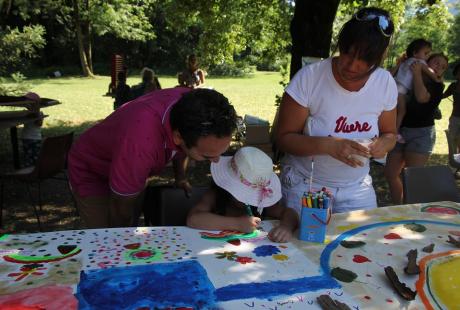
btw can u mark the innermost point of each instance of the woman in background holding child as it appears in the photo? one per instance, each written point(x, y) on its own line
point(417, 127)
point(419, 51)
point(244, 185)
point(454, 91)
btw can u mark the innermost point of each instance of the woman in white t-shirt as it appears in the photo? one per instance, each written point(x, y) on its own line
point(330, 104)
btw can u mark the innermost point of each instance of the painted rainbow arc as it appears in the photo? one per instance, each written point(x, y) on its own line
point(22, 259)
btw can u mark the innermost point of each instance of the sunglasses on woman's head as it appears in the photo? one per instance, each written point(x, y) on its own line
point(385, 24)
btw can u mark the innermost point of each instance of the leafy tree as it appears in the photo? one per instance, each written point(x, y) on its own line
point(126, 19)
point(319, 23)
point(454, 38)
point(429, 22)
point(228, 28)
point(17, 46)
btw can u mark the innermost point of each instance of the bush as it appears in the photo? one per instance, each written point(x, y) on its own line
point(238, 69)
point(17, 87)
point(19, 46)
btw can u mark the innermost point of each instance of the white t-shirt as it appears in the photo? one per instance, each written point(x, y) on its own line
point(404, 75)
point(337, 112)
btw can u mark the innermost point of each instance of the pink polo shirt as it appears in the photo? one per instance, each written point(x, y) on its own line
point(131, 144)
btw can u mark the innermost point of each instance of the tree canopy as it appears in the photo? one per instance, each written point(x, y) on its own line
point(225, 34)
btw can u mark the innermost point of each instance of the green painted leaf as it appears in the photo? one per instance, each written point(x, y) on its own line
point(343, 275)
point(415, 227)
point(352, 244)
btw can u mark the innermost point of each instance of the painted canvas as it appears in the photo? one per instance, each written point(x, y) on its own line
point(182, 268)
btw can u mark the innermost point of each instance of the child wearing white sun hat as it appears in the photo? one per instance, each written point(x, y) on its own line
point(244, 185)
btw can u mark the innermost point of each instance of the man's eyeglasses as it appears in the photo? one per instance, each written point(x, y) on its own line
point(385, 23)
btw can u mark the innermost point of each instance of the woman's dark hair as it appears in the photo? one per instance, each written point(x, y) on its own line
point(415, 46)
point(435, 55)
point(364, 37)
point(200, 113)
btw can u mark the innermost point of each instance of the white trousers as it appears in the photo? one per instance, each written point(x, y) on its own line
point(358, 196)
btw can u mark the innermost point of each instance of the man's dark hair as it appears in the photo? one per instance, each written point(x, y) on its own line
point(200, 113)
point(364, 39)
point(415, 46)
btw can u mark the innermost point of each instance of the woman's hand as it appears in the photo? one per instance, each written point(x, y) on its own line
point(344, 150)
point(381, 145)
point(416, 68)
point(247, 224)
point(280, 233)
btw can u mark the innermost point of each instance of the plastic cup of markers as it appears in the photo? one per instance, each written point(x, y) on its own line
point(364, 142)
point(314, 220)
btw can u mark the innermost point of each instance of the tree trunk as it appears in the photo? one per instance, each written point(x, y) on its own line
point(88, 44)
point(87, 35)
point(85, 66)
point(311, 30)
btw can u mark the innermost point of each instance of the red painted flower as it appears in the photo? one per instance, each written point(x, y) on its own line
point(27, 270)
point(244, 260)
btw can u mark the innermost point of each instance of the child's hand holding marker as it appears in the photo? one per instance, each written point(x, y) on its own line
point(248, 224)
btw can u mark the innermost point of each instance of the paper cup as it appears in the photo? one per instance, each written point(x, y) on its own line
point(364, 142)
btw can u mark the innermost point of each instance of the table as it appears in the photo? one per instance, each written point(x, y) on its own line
point(178, 267)
point(12, 119)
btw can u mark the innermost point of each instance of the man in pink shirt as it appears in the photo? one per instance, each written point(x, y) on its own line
point(111, 162)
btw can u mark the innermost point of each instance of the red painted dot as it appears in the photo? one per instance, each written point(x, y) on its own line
point(360, 259)
point(367, 297)
point(392, 236)
point(389, 300)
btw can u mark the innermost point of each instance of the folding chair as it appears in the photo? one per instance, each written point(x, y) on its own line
point(429, 184)
point(51, 161)
point(454, 157)
point(168, 206)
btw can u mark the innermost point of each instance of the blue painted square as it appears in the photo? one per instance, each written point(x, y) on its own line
point(181, 284)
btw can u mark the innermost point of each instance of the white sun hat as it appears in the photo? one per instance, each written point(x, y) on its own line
point(248, 176)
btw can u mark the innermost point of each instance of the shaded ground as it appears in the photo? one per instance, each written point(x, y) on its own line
point(58, 212)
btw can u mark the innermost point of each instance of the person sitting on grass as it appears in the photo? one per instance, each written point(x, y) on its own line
point(192, 76)
point(244, 185)
point(149, 83)
point(122, 93)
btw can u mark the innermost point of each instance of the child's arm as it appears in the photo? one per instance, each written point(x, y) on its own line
point(449, 91)
point(428, 71)
point(202, 217)
point(289, 220)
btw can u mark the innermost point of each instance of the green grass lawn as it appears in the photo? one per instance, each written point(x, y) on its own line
point(83, 100)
